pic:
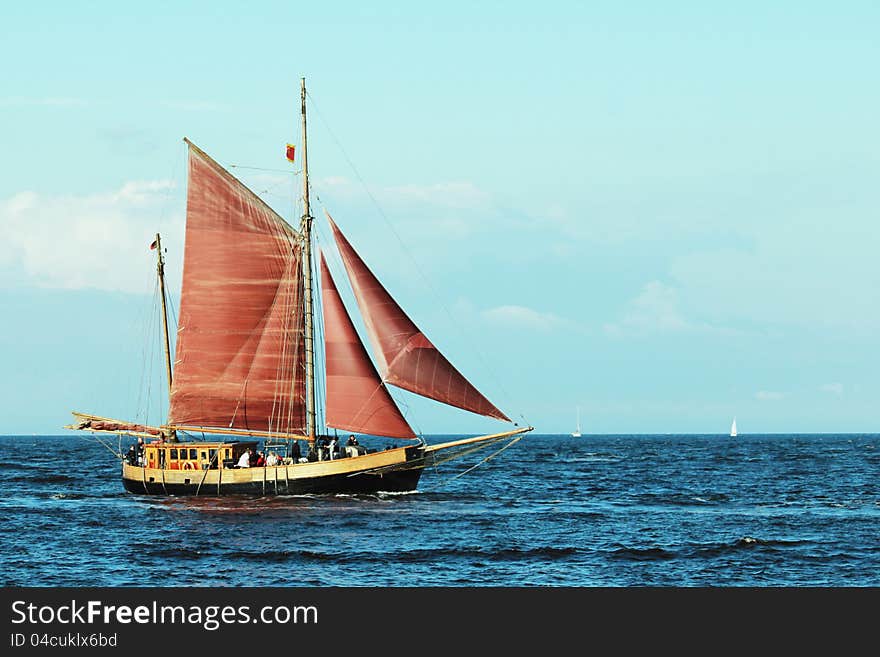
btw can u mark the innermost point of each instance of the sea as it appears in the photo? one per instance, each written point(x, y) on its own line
point(551, 511)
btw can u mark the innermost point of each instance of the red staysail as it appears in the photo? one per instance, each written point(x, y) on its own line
point(240, 348)
point(357, 400)
point(406, 357)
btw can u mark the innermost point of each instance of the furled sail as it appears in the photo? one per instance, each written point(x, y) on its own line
point(240, 353)
point(357, 400)
point(406, 357)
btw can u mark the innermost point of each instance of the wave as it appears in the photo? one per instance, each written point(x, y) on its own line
point(641, 554)
point(750, 541)
point(700, 550)
point(54, 479)
point(682, 498)
point(84, 496)
point(178, 553)
point(594, 458)
point(743, 543)
point(406, 556)
point(13, 465)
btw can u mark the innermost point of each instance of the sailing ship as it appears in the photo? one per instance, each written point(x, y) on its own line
point(246, 362)
point(577, 431)
point(733, 429)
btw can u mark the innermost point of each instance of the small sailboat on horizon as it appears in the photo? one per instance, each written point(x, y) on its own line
point(577, 431)
point(733, 429)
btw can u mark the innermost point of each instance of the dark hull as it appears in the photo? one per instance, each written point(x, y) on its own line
point(391, 482)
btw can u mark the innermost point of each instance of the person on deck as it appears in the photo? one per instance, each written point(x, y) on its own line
point(352, 446)
point(333, 445)
point(140, 451)
point(245, 460)
point(261, 460)
point(295, 452)
point(272, 459)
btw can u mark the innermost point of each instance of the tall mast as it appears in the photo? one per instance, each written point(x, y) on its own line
point(306, 229)
point(160, 268)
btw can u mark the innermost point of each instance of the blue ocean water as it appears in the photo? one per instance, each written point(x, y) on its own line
point(611, 510)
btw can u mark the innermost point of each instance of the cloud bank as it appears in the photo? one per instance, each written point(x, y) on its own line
point(99, 241)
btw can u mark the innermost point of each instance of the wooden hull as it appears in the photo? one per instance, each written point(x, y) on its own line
point(394, 470)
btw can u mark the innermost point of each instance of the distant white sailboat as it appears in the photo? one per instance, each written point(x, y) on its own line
point(733, 429)
point(577, 431)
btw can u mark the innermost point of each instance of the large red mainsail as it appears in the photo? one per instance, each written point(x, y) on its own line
point(240, 351)
point(406, 357)
point(357, 400)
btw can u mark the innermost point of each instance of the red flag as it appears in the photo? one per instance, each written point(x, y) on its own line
point(290, 151)
point(154, 245)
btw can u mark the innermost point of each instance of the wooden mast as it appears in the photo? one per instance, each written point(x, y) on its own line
point(160, 268)
point(306, 229)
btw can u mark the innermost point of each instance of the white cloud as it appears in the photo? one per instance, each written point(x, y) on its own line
point(833, 388)
point(656, 310)
point(769, 395)
point(408, 230)
point(525, 317)
point(96, 241)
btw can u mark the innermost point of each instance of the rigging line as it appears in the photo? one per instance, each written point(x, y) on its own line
point(151, 340)
point(144, 337)
point(300, 353)
point(285, 370)
point(270, 192)
point(333, 255)
point(292, 339)
point(103, 442)
point(163, 215)
point(321, 342)
point(175, 164)
point(275, 421)
point(297, 374)
point(277, 398)
point(264, 321)
point(464, 451)
point(288, 171)
point(287, 363)
point(318, 319)
point(454, 322)
point(476, 465)
point(172, 337)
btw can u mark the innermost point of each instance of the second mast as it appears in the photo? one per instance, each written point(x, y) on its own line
point(306, 229)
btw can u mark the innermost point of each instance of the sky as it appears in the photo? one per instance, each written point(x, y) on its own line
point(664, 214)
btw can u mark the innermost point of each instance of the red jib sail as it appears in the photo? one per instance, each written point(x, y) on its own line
point(406, 357)
point(357, 400)
point(240, 351)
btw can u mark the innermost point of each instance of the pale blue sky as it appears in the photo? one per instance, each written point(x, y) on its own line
point(664, 213)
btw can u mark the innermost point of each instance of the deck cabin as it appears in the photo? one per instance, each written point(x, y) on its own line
point(194, 455)
point(163, 455)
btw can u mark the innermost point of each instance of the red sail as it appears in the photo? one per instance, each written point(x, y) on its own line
point(240, 347)
point(406, 357)
point(357, 400)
